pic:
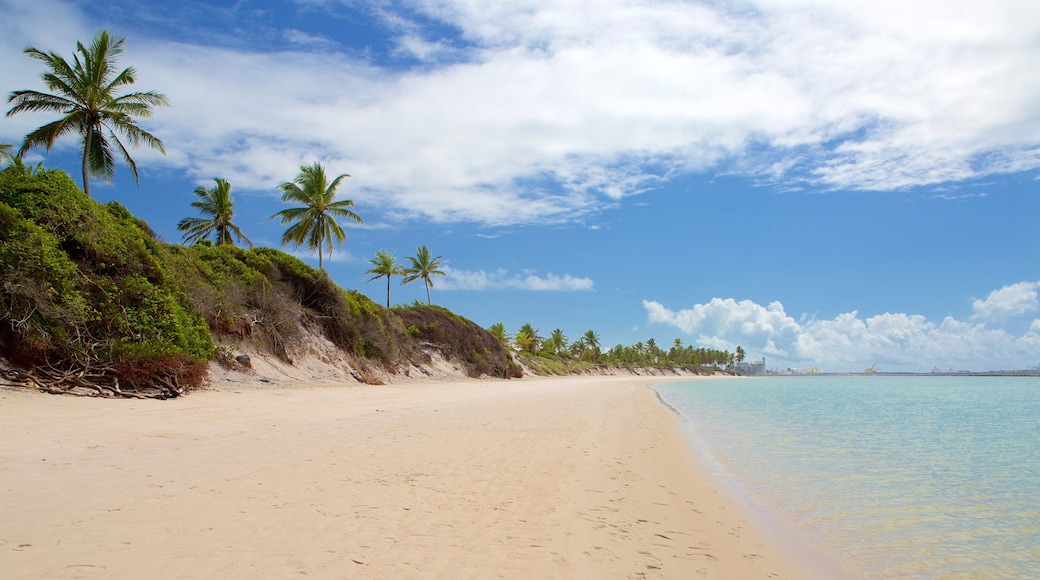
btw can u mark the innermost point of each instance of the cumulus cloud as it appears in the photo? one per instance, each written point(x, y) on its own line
point(502, 280)
point(1007, 302)
point(546, 111)
point(850, 342)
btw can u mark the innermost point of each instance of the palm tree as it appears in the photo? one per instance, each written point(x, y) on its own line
point(84, 94)
point(559, 341)
point(6, 157)
point(423, 266)
point(314, 224)
point(216, 203)
point(9, 160)
point(525, 341)
point(498, 330)
point(385, 265)
point(591, 342)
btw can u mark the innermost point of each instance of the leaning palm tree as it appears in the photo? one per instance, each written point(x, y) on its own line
point(85, 95)
point(214, 202)
point(314, 224)
point(423, 266)
point(385, 266)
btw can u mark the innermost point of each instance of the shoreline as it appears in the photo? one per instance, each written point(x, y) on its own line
point(562, 477)
point(768, 519)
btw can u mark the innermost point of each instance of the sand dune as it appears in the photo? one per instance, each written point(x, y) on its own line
point(545, 478)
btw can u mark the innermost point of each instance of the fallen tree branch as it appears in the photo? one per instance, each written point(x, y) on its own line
point(97, 382)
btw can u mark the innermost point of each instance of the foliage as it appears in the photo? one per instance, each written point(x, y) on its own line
point(85, 95)
point(84, 286)
point(460, 338)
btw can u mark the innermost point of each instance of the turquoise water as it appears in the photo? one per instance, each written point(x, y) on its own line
point(900, 477)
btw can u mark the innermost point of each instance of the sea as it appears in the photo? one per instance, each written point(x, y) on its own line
point(895, 476)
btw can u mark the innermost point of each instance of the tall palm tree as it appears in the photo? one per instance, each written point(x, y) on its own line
point(385, 266)
point(85, 95)
point(423, 266)
point(216, 203)
point(559, 340)
point(591, 341)
point(314, 224)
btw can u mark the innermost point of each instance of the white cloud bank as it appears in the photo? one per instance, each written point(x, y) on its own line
point(897, 342)
point(545, 111)
point(502, 280)
point(1010, 301)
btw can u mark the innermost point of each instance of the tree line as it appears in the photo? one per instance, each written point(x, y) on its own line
point(588, 348)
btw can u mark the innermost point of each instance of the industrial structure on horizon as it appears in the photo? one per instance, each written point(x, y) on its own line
point(751, 368)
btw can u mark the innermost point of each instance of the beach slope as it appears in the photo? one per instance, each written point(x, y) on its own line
point(538, 478)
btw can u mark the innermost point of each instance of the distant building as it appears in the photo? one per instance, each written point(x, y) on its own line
point(751, 368)
point(804, 371)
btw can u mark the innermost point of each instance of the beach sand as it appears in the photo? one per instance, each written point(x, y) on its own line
point(585, 477)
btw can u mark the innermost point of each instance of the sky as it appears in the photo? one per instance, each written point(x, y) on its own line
point(826, 183)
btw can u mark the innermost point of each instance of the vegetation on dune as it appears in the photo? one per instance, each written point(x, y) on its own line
point(85, 94)
point(86, 293)
point(92, 303)
point(459, 339)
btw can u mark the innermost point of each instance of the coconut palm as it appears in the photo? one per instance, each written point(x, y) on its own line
point(85, 95)
point(590, 340)
point(214, 202)
point(527, 338)
point(525, 341)
point(558, 340)
point(314, 224)
point(422, 267)
point(6, 157)
point(498, 330)
point(385, 266)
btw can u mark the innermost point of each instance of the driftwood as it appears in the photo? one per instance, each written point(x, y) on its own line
point(99, 381)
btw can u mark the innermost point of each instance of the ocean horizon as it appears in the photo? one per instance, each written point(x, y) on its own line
point(895, 476)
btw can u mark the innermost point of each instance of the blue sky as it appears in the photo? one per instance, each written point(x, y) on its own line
point(825, 183)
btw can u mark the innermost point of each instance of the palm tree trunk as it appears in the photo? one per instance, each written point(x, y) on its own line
point(388, 291)
point(86, 166)
point(320, 250)
point(428, 293)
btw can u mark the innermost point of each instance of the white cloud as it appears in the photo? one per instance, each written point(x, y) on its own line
point(552, 110)
point(896, 341)
point(1007, 302)
point(503, 280)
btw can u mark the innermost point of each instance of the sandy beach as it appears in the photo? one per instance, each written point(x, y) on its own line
point(538, 478)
